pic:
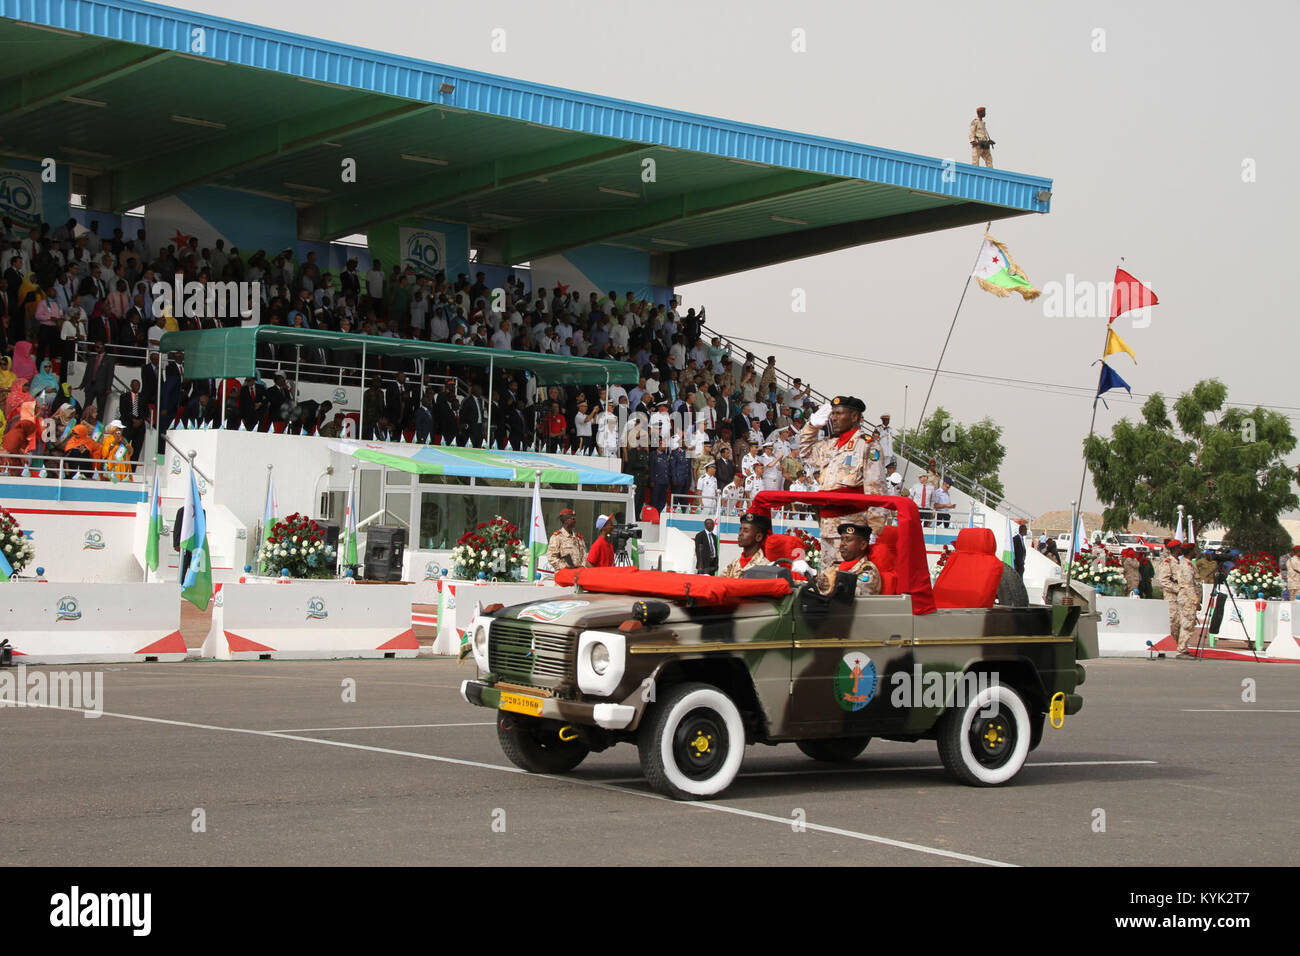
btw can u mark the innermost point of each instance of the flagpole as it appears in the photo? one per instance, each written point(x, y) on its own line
point(944, 351)
point(1078, 502)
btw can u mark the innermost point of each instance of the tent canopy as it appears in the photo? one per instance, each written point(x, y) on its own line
point(520, 466)
point(232, 353)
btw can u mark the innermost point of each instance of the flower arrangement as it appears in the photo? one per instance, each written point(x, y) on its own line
point(1107, 578)
point(812, 548)
point(1254, 574)
point(297, 543)
point(493, 549)
point(17, 550)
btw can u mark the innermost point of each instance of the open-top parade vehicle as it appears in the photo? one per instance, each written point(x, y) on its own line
point(692, 668)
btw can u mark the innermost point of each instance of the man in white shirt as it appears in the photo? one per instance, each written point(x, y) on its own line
point(923, 495)
point(942, 504)
point(733, 494)
point(501, 337)
point(564, 329)
point(618, 336)
point(754, 483)
point(375, 286)
point(886, 439)
point(707, 485)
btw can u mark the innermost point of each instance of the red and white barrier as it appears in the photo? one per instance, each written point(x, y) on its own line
point(64, 623)
point(458, 598)
point(1285, 645)
point(1128, 623)
point(310, 620)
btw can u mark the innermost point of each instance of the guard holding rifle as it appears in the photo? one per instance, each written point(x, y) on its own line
point(980, 144)
point(566, 549)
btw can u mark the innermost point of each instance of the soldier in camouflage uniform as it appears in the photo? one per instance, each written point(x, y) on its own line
point(979, 140)
point(849, 461)
point(1165, 580)
point(754, 529)
point(1189, 596)
point(854, 549)
point(566, 549)
point(1132, 571)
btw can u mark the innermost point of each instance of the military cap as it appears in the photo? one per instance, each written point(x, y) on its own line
point(1173, 543)
point(567, 513)
point(761, 522)
point(862, 530)
point(848, 401)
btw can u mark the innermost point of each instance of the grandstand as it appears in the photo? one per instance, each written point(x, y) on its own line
point(490, 200)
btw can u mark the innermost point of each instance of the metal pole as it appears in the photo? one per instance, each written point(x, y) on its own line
point(157, 409)
point(361, 426)
point(266, 530)
point(487, 439)
point(297, 370)
point(223, 403)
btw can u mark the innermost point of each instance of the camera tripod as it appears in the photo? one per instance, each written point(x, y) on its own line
point(1220, 581)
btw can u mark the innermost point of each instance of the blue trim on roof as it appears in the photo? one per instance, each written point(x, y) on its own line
point(147, 24)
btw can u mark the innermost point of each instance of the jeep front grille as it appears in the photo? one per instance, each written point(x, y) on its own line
point(528, 654)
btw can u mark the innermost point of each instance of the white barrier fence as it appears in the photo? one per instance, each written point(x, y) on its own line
point(1128, 623)
point(310, 620)
point(458, 598)
point(65, 623)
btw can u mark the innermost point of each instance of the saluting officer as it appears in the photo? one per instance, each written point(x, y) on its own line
point(849, 461)
point(566, 549)
point(979, 141)
point(855, 549)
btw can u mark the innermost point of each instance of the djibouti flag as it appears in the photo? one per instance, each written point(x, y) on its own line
point(155, 527)
point(536, 532)
point(998, 273)
point(197, 585)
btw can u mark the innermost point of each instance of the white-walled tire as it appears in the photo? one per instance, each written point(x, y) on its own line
point(986, 749)
point(692, 745)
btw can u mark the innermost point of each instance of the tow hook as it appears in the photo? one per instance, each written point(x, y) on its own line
point(568, 732)
point(1057, 710)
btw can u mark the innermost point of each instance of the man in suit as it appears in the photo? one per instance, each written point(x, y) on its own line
point(98, 380)
point(173, 389)
point(133, 409)
point(471, 416)
point(1018, 545)
point(706, 549)
point(251, 403)
point(446, 425)
point(279, 400)
point(424, 419)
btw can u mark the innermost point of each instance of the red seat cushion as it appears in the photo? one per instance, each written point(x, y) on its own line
point(971, 576)
point(884, 555)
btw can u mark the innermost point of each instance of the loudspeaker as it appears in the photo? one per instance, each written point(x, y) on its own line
point(331, 529)
point(384, 549)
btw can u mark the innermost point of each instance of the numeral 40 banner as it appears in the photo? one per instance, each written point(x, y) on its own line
point(20, 196)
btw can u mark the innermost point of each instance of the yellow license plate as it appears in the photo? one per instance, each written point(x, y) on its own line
point(520, 704)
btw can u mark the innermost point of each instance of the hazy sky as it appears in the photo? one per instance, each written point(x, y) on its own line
point(1145, 140)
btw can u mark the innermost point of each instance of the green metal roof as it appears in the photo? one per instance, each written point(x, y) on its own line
point(232, 353)
point(531, 169)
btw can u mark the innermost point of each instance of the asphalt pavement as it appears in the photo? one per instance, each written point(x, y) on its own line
point(267, 763)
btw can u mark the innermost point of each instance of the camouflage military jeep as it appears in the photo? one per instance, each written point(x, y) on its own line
point(693, 668)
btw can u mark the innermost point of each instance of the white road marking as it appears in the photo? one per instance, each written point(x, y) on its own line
point(303, 730)
point(1238, 710)
point(576, 781)
point(821, 770)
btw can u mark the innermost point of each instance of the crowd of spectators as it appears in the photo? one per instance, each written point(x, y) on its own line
point(700, 424)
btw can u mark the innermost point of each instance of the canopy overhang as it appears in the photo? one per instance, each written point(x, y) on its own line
point(232, 353)
point(518, 466)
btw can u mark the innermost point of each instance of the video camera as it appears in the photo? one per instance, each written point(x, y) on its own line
point(623, 533)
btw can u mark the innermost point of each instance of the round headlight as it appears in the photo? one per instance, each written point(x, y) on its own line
point(480, 639)
point(599, 658)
